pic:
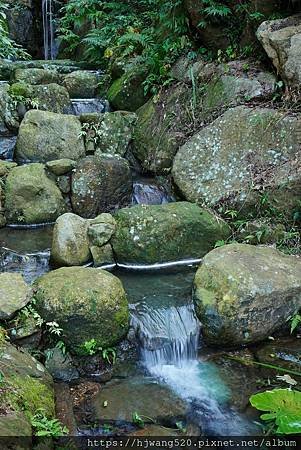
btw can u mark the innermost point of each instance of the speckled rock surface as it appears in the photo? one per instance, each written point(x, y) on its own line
point(281, 40)
point(87, 303)
point(70, 243)
point(46, 136)
point(14, 294)
point(81, 84)
point(240, 153)
point(101, 183)
point(243, 293)
point(37, 76)
point(169, 232)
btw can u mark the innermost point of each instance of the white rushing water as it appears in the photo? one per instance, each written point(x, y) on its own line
point(169, 340)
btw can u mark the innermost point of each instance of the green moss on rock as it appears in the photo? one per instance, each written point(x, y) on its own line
point(87, 303)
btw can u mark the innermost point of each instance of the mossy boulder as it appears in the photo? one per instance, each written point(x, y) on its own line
point(9, 120)
point(26, 387)
point(114, 131)
point(37, 76)
point(162, 233)
point(101, 229)
point(70, 243)
point(49, 97)
point(31, 197)
point(166, 120)
point(243, 293)
point(102, 256)
point(14, 294)
point(100, 183)
point(46, 136)
point(87, 303)
point(127, 92)
point(81, 84)
point(242, 153)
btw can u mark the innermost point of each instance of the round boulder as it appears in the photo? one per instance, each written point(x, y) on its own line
point(243, 293)
point(87, 304)
point(70, 243)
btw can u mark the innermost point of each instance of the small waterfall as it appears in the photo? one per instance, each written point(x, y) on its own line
point(167, 335)
point(50, 50)
point(169, 346)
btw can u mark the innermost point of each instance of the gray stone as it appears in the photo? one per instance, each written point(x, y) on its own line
point(14, 294)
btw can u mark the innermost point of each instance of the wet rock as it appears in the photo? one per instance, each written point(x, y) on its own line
point(243, 293)
point(281, 40)
point(60, 366)
point(46, 136)
point(161, 233)
point(37, 76)
point(100, 183)
point(114, 130)
point(127, 92)
point(70, 243)
point(81, 84)
point(14, 294)
point(141, 395)
point(81, 299)
point(283, 353)
point(31, 197)
point(61, 166)
point(240, 154)
point(102, 255)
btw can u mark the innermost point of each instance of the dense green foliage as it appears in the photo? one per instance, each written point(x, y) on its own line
point(8, 48)
point(152, 32)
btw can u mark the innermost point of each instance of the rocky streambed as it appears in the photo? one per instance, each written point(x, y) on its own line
point(131, 299)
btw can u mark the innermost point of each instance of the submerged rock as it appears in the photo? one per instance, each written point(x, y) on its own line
point(162, 233)
point(70, 243)
point(281, 39)
point(46, 136)
point(31, 197)
point(14, 294)
point(86, 303)
point(283, 353)
point(147, 397)
point(81, 84)
point(240, 154)
point(243, 293)
point(100, 183)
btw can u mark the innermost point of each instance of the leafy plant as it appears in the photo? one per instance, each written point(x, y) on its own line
point(91, 348)
point(295, 322)
point(282, 407)
point(47, 427)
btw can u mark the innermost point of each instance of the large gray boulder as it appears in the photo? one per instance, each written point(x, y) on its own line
point(208, 89)
point(100, 183)
point(37, 76)
point(242, 153)
point(86, 303)
point(46, 136)
point(70, 243)
point(281, 39)
point(163, 233)
point(243, 293)
point(31, 197)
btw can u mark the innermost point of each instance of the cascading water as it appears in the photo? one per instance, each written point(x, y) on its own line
point(169, 338)
point(50, 50)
